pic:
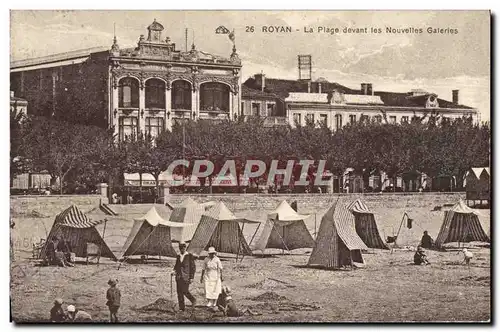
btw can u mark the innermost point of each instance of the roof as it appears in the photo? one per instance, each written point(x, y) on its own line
point(155, 26)
point(359, 206)
point(285, 212)
point(282, 88)
point(479, 170)
point(18, 100)
point(405, 99)
point(250, 93)
point(461, 207)
point(153, 218)
point(73, 217)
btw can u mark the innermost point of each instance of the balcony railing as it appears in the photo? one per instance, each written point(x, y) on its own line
point(275, 121)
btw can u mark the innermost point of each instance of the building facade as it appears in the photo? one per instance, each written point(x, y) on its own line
point(336, 105)
point(141, 89)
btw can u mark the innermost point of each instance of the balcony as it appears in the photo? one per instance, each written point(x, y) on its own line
point(275, 121)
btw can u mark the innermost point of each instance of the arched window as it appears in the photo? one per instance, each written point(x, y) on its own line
point(128, 93)
point(181, 95)
point(214, 97)
point(155, 93)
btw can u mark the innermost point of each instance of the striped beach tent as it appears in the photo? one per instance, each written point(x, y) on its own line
point(79, 230)
point(220, 228)
point(189, 211)
point(461, 224)
point(337, 244)
point(285, 229)
point(366, 226)
point(150, 236)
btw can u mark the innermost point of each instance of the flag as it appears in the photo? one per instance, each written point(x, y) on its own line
point(409, 224)
point(231, 36)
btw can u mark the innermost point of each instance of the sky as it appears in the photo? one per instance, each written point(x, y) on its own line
point(437, 62)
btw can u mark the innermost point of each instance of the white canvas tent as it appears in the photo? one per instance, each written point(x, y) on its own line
point(285, 229)
point(150, 235)
point(189, 211)
point(220, 228)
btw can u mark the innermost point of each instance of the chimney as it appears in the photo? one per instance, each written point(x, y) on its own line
point(12, 94)
point(319, 87)
point(454, 94)
point(364, 88)
point(260, 80)
point(369, 89)
point(309, 87)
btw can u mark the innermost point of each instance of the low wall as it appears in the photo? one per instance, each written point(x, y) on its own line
point(51, 205)
point(310, 203)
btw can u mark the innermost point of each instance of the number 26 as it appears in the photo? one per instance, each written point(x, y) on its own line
point(249, 28)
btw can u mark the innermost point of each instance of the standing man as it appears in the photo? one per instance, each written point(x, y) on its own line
point(184, 270)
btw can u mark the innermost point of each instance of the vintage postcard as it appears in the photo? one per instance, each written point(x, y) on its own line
point(250, 166)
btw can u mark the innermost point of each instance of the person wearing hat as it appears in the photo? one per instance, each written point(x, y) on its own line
point(184, 270)
point(211, 276)
point(75, 315)
point(57, 313)
point(420, 258)
point(113, 295)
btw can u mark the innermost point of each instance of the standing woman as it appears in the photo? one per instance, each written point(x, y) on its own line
point(211, 275)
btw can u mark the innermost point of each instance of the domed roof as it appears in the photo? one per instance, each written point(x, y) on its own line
point(155, 26)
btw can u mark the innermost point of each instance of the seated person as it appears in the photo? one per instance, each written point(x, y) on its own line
point(426, 242)
point(57, 313)
point(75, 315)
point(226, 304)
point(420, 258)
point(64, 247)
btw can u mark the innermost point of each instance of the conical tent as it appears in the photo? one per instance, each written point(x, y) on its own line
point(220, 228)
point(189, 211)
point(285, 229)
point(461, 224)
point(150, 235)
point(79, 230)
point(337, 243)
point(366, 227)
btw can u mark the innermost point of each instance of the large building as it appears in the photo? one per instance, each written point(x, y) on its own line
point(144, 88)
point(300, 102)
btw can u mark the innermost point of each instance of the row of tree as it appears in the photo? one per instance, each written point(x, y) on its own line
point(86, 154)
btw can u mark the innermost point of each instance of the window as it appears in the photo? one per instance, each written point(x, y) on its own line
point(338, 121)
point(352, 118)
point(181, 95)
point(404, 119)
point(128, 93)
point(309, 118)
point(155, 94)
point(392, 119)
point(242, 111)
point(323, 119)
point(154, 126)
point(378, 118)
point(255, 109)
point(297, 118)
point(271, 109)
point(127, 127)
point(214, 97)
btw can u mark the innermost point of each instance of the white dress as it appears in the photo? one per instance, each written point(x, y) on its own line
point(212, 278)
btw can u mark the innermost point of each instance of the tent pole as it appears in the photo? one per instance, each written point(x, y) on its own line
point(399, 230)
point(282, 240)
point(315, 233)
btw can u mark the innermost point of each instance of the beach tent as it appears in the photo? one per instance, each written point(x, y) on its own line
point(337, 244)
point(189, 211)
point(150, 235)
point(79, 230)
point(366, 227)
point(285, 229)
point(220, 228)
point(461, 224)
